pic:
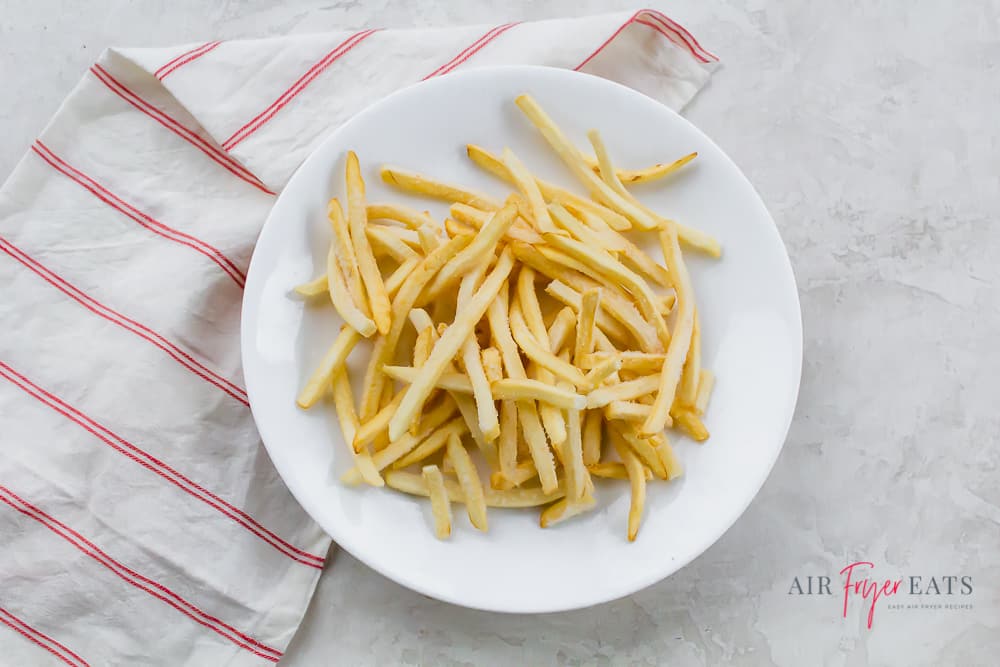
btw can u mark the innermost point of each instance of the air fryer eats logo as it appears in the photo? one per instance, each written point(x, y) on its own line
point(859, 584)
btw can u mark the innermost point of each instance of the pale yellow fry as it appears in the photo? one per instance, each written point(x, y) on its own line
point(561, 330)
point(430, 445)
point(666, 455)
point(424, 185)
point(507, 442)
point(539, 354)
point(521, 474)
point(655, 172)
point(468, 479)
point(626, 411)
point(343, 400)
point(481, 247)
point(332, 361)
point(525, 182)
point(590, 304)
point(564, 509)
point(677, 351)
point(413, 484)
point(440, 505)
point(571, 156)
point(454, 382)
point(390, 243)
point(455, 228)
point(550, 191)
point(637, 481)
point(492, 366)
point(593, 423)
point(531, 427)
point(583, 233)
point(422, 347)
point(449, 343)
point(404, 234)
point(616, 272)
point(410, 217)
point(642, 447)
point(552, 417)
point(341, 299)
point(402, 272)
point(475, 218)
point(489, 420)
point(378, 425)
point(687, 392)
point(688, 421)
point(346, 257)
point(705, 385)
point(535, 390)
point(641, 362)
point(576, 473)
point(613, 470)
point(693, 237)
point(600, 372)
point(374, 380)
point(421, 320)
point(623, 391)
point(429, 240)
point(314, 287)
point(357, 221)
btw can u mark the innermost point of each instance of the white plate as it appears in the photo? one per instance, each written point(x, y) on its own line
point(747, 303)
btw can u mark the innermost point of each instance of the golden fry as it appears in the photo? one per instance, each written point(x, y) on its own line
point(468, 479)
point(526, 184)
point(357, 221)
point(655, 172)
point(440, 505)
point(332, 361)
point(590, 303)
point(314, 287)
point(637, 481)
point(593, 423)
point(424, 185)
point(535, 390)
point(412, 218)
point(705, 385)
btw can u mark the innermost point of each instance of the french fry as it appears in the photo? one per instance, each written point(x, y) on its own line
point(590, 303)
point(687, 391)
point(402, 272)
point(593, 423)
point(705, 385)
point(535, 390)
point(613, 470)
point(449, 343)
point(440, 505)
point(343, 400)
point(527, 412)
point(332, 360)
point(413, 484)
point(482, 245)
point(564, 509)
point(659, 418)
point(626, 411)
point(525, 182)
point(640, 362)
point(345, 255)
point(576, 474)
point(583, 233)
point(455, 228)
point(552, 417)
point(507, 442)
point(390, 244)
point(666, 455)
point(534, 350)
point(314, 287)
point(412, 218)
point(489, 420)
point(468, 479)
point(689, 422)
point(357, 221)
point(593, 379)
point(423, 185)
point(561, 330)
point(379, 424)
point(637, 481)
point(452, 382)
point(653, 173)
point(492, 365)
point(341, 299)
point(521, 474)
point(623, 391)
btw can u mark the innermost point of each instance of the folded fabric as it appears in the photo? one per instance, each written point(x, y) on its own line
point(141, 519)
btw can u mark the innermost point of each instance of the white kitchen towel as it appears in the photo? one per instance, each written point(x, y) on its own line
point(141, 520)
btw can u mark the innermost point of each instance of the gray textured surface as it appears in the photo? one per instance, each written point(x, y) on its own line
point(870, 130)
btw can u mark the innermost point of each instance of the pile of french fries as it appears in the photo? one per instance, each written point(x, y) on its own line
point(531, 329)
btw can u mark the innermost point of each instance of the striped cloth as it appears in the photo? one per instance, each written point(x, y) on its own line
point(141, 520)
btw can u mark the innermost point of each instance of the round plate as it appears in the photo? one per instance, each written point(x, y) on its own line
point(747, 301)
